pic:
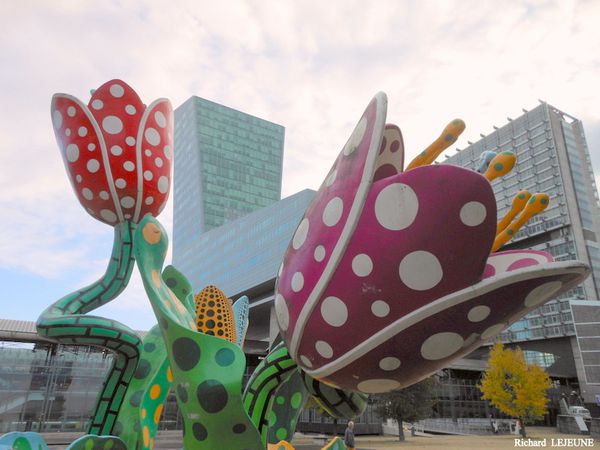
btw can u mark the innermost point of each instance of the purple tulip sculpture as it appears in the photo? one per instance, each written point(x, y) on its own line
point(389, 276)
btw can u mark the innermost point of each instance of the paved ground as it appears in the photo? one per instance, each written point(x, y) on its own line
point(172, 440)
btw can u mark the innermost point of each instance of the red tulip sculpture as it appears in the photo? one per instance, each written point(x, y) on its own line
point(117, 152)
point(118, 156)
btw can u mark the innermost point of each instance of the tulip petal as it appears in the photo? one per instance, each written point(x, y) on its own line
point(118, 110)
point(84, 154)
point(448, 328)
point(154, 149)
point(390, 160)
point(332, 216)
point(422, 235)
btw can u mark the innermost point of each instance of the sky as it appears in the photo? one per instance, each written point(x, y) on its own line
point(310, 66)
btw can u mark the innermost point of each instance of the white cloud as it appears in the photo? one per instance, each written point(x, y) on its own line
point(310, 66)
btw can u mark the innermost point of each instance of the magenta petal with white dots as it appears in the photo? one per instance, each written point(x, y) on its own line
point(117, 152)
point(388, 276)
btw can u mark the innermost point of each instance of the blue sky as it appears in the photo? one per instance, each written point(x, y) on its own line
point(309, 66)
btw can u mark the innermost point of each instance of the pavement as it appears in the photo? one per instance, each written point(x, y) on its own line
point(167, 440)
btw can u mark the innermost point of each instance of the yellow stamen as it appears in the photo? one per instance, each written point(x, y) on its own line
point(500, 165)
point(446, 139)
point(536, 204)
point(518, 204)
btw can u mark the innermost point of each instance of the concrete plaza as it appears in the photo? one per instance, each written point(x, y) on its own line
point(536, 435)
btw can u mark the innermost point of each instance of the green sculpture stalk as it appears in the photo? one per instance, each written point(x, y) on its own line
point(66, 322)
point(207, 370)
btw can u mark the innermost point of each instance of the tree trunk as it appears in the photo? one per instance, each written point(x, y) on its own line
point(523, 433)
point(401, 437)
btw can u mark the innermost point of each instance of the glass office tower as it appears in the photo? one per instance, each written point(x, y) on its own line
point(552, 157)
point(227, 164)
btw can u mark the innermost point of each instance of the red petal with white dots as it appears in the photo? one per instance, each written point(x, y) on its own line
point(118, 111)
point(81, 145)
point(155, 155)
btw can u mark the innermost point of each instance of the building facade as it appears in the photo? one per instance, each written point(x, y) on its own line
point(552, 157)
point(227, 164)
point(242, 257)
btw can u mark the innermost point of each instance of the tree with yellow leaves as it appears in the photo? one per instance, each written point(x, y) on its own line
point(513, 386)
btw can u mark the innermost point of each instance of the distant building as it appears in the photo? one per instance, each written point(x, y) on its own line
point(552, 157)
point(227, 164)
point(243, 257)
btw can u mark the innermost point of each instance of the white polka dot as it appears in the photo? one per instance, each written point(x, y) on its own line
point(300, 235)
point(297, 282)
point(93, 165)
point(324, 349)
point(163, 185)
point(378, 386)
point(148, 152)
point(362, 265)
point(148, 175)
point(334, 311)
point(67, 132)
point(333, 211)
point(57, 118)
point(380, 308)
point(319, 253)
point(331, 178)
point(116, 150)
point(161, 121)
point(356, 138)
point(78, 178)
point(130, 140)
point(149, 200)
point(71, 111)
point(129, 166)
point(120, 183)
point(82, 131)
point(441, 345)
point(473, 214)
point(420, 270)
point(130, 109)
point(116, 90)
point(167, 151)
point(87, 194)
point(281, 310)
point(112, 125)
point(103, 195)
point(91, 147)
point(152, 136)
point(108, 215)
point(158, 162)
point(389, 363)
point(127, 202)
point(97, 104)
point(72, 153)
point(396, 206)
point(127, 216)
point(493, 331)
point(542, 293)
point(307, 362)
point(478, 313)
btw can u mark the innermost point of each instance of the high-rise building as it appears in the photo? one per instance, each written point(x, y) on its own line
point(227, 164)
point(243, 256)
point(552, 157)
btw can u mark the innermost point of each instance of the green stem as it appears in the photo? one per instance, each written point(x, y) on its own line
point(65, 321)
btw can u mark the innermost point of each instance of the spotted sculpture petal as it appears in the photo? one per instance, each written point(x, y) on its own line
point(382, 282)
point(116, 151)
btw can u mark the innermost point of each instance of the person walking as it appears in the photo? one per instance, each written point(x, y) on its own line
point(349, 436)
